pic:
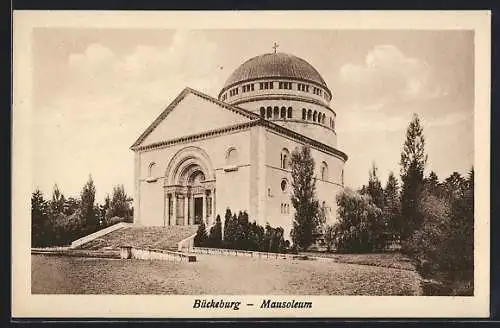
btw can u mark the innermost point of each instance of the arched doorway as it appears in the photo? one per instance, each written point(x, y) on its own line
point(190, 188)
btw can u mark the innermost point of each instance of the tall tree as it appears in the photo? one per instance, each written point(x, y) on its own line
point(392, 206)
point(58, 201)
point(103, 209)
point(215, 236)
point(304, 200)
point(39, 218)
point(413, 160)
point(374, 188)
point(87, 208)
point(201, 238)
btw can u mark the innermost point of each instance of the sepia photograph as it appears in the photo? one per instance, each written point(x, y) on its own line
point(250, 169)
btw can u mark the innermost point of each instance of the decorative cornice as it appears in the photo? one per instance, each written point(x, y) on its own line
point(293, 120)
point(304, 139)
point(197, 136)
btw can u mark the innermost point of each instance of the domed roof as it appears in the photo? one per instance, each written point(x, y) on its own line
point(275, 65)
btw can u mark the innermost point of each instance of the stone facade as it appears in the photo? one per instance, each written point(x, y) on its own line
point(203, 155)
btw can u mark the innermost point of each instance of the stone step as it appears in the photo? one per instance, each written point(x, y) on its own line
point(165, 238)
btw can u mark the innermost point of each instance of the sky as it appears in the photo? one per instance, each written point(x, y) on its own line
point(96, 90)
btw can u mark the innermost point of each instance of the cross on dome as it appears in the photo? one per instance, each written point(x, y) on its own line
point(275, 46)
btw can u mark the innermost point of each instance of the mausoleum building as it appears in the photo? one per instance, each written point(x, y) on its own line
point(205, 154)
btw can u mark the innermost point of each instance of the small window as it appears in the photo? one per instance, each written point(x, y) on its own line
point(284, 185)
point(315, 116)
point(285, 157)
point(324, 171)
point(276, 113)
point(271, 85)
point(269, 112)
point(304, 113)
point(262, 112)
point(232, 156)
point(309, 115)
point(289, 112)
point(283, 112)
point(151, 169)
point(261, 85)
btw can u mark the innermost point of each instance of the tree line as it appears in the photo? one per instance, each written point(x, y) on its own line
point(432, 220)
point(59, 221)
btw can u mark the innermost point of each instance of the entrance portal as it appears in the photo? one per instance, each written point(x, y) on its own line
point(198, 210)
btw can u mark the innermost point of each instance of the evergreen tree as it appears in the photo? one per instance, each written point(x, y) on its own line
point(241, 231)
point(39, 218)
point(230, 226)
point(58, 201)
point(200, 240)
point(454, 185)
point(215, 237)
point(374, 188)
point(103, 209)
point(432, 181)
point(413, 160)
point(119, 205)
point(304, 200)
point(71, 205)
point(392, 207)
point(87, 208)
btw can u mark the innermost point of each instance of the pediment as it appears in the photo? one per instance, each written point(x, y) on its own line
point(192, 112)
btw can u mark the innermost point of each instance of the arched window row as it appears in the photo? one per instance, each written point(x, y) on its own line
point(315, 116)
point(276, 112)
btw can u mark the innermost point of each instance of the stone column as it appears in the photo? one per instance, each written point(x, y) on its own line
point(191, 209)
point(204, 207)
point(165, 209)
point(214, 214)
point(173, 220)
point(186, 210)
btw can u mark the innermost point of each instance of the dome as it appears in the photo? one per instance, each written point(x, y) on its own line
point(275, 65)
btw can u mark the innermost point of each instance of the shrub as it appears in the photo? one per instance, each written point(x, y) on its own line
point(361, 227)
point(240, 233)
point(443, 247)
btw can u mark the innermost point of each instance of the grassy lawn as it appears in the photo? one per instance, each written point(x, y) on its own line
point(213, 274)
point(387, 260)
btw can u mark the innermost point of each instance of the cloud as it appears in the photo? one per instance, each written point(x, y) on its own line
point(386, 76)
point(109, 98)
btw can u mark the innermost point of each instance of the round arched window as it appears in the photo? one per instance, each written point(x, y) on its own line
point(284, 185)
point(232, 156)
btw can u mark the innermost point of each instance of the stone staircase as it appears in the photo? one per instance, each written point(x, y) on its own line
point(166, 238)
